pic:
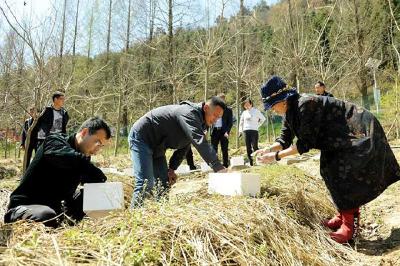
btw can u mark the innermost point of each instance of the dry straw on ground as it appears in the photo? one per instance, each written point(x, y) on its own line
point(281, 227)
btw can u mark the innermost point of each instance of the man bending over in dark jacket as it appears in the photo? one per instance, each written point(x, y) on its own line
point(170, 127)
point(49, 186)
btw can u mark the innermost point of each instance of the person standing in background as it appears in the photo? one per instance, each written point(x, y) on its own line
point(28, 122)
point(220, 132)
point(320, 89)
point(53, 120)
point(250, 120)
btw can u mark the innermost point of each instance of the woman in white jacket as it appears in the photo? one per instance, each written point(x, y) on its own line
point(250, 120)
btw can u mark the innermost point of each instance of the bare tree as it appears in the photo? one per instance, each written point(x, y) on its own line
point(90, 28)
point(360, 42)
point(127, 43)
point(109, 30)
point(75, 36)
point(37, 43)
point(60, 63)
point(207, 46)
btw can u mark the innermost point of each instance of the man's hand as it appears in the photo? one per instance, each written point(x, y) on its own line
point(225, 170)
point(172, 177)
point(261, 152)
point(266, 158)
point(226, 135)
point(22, 147)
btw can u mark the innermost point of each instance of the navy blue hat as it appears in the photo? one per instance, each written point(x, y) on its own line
point(275, 91)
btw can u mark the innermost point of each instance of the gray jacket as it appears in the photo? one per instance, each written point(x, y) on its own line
point(176, 127)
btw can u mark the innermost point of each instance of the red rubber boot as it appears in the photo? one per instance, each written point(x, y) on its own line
point(348, 229)
point(333, 223)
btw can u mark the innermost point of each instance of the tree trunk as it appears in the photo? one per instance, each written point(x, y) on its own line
point(242, 51)
point(242, 25)
point(109, 32)
point(128, 27)
point(62, 41)
point(75, 35)
point(237, 110)
point(6, 144)
point(118, 120)
point(362, 71)
point(150, 53)
point(206, 74)
point(125, 108)
point(170, 62)
point(90, 40)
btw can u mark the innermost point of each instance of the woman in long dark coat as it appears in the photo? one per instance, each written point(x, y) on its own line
point(357, 163)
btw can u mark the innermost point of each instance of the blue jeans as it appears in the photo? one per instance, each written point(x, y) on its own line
point(151, 174)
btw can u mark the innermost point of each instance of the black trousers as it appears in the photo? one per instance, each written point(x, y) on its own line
point(189, 159)
point(217, 137)
point(49, 216)
point(251, 140)
point(32, 147)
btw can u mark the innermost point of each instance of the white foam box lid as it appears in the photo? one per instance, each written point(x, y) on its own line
point(205, 167)
point(183, 169)
point(99, 199)
point(109, 170)
point(237, 160)
point(234, 184)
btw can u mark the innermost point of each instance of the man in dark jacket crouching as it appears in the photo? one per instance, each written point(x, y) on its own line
point(48, 189)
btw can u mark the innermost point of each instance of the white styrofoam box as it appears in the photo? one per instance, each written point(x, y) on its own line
point(183, 169)
point(237, 160)
point(128, 171)
point(109, 170)
point(114, 171)
point(232, 184)
point(316, 157)
point(99, 199)
point(205, 168)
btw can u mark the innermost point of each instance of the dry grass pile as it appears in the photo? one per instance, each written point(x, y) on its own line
point(281, 227)
point(8, 171)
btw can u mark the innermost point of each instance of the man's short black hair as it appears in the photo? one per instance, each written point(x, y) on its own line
point(94, 124)
point(217, 101)
point(320, 83)
point(57, 94)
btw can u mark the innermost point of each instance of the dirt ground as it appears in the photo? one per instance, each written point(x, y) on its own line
point(378, 242)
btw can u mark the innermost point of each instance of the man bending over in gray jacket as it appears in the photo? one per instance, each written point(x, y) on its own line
point(170, 127)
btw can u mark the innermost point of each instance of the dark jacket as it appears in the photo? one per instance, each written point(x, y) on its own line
point(357, 163)
point(45, 121)
point(326, 94)
point(54, 174)
point(28, 122)
point(176, 127)
point(227, 121)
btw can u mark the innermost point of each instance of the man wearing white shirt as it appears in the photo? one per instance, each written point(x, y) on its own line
point(250, 120)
